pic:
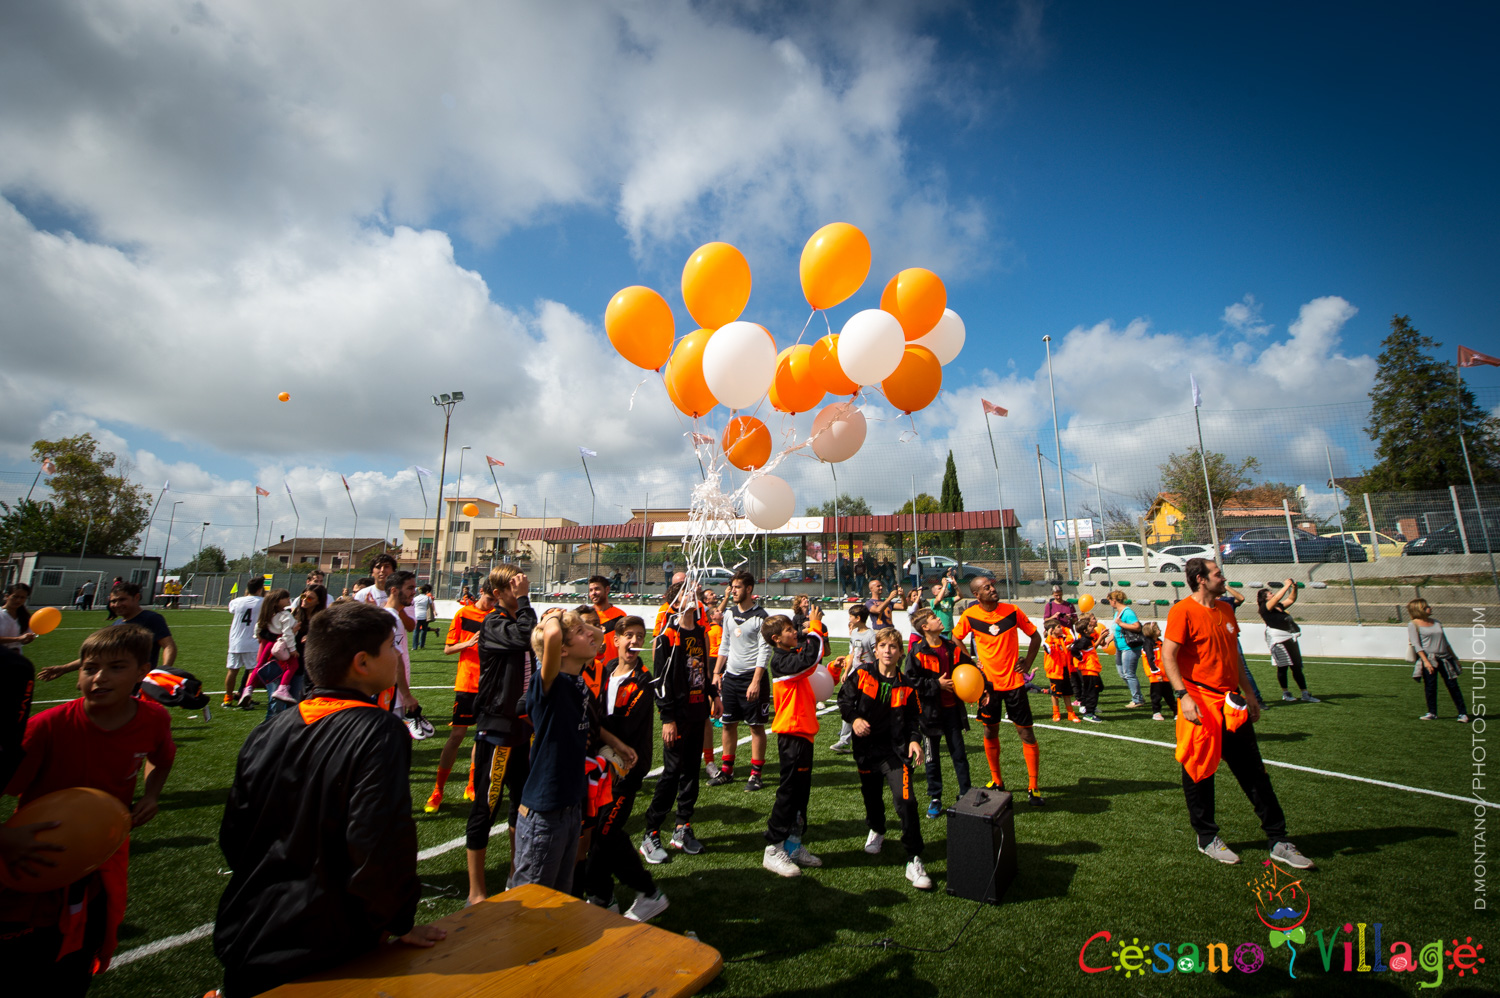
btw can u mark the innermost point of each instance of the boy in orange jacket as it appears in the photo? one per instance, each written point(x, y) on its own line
point(794, 658)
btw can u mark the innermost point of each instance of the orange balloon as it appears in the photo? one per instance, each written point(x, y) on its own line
point(747, 443)
point(916, 381)
point(796, 387)
point(284, 397)
point(916, 297)
point(968, 683)
point(684, 375)
point(826, 370)
point(639, 324)
point(45, 620)
point(92, 824)
point(835, 263)
point(1085, 603)
point(716, 284)
point(470, 509)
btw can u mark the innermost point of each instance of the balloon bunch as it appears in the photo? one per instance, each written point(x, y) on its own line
point(901, 347)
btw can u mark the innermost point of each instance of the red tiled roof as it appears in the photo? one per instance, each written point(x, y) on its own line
point(979, 519)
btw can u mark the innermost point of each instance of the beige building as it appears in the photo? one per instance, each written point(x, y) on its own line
point(474, 543)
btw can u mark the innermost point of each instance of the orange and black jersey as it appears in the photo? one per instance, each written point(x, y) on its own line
point(796, 708)
point(1086, 654)
point(626, 712)
point(925, 665)
point(889, 704)
point(604, 662)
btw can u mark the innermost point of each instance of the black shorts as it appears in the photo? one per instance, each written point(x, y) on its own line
point(1062, 687)
point(1016, 703)
point(736, 707)
point(463, 710)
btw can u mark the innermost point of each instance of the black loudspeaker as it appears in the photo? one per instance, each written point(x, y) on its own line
point(981, 845)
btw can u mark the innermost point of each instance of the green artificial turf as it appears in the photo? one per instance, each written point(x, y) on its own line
point(1111, 850)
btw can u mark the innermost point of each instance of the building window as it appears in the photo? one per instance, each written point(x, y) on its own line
point(458, 557)
point(52, 576)
point(461, 527)
point(140, 576)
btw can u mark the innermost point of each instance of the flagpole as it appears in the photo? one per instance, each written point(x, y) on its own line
point(1062, 484)
point(1213, 524)
point(1046, 518)
point(1333, 487)
point(592, 502)
point(269, 534)
point(1458, 405)
point(256, 537)
point(388, 534)
point(498, 494)
point(645, 537)
point(296, 529)
point(999, 498)
point(142, 563)
point(354, 540)
point(544, 540)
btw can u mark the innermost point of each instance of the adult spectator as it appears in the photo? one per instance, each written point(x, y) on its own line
point(125, 604)
point(880, 605)
point(861, 578)
point(666, 570)
point(1217, 715)
point(424, 608)
point(1059, 609)
point(1281, 637)
point(317, 578)
point(1128, 644)
point(15, 618)
point(1434, 658)
point(87, 592)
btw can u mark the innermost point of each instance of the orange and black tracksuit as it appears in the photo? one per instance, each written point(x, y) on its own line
point(626, 714)
point(796, 725)
point(1089, 683)
point(889, 705)
point(502, 732)
point(942, 714)
point(319, 833)
point(683, 690)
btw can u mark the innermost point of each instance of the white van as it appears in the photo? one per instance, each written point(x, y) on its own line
point(1117, 557)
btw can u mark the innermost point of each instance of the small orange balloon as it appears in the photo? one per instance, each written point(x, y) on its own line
point(684, 375)
point(835, 263)
point(916, 297)
point(746, 443)
point(1085, 603)
point(716, 284)
point(795, 388)
point(916, 380)
point(826, 370)
point(470, 509)
point(285, 396)
point(45, 620)
point(968, 683)
point(91, 826)
point(639, 324)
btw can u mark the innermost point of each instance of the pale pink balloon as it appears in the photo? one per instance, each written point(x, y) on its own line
point(838, 432)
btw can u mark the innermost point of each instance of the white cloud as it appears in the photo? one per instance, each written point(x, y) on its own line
point(1244, 317)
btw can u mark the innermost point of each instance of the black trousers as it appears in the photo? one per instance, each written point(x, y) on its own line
point(1242, 755)
point(681, 769)
point(496, 770)
point(1088, 687)
point(1161, 694)
point(874, 777)
point(789, 812)
point(1429, 686)
point(612, 854)
point(1288, 655)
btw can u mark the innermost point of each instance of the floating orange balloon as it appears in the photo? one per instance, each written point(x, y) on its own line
point(968, 683)
point(716, 284)
point(746, 443)
point(1085, 603)
point(826, 370)
point(45, 620)
point(284, 397)
point(835, 263)
point(470, 509)
point(684, 375)
point(639, 324)
point(916, 297)
point(916, 380)
point(91, 826)
point(796, 387)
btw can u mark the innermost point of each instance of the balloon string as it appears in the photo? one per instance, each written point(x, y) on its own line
point(805, 325)
point(826, 323)
point(638, 384)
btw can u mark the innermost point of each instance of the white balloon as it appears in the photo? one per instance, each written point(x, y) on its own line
point(822, 682)
point(739, 362)
point(945, 339)
point(838, 432)
point(871, 345)
point(769, 502)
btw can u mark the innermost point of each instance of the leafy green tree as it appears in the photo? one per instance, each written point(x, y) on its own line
point(91, 494)
point(210, 559)
point(925, 504)
point(952, 498)
point(848, 506)
point(1182, 479)
point(1416, 406)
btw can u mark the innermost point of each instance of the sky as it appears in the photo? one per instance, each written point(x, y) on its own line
point(366, 204)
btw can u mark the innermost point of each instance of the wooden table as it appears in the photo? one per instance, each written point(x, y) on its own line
point(526, 941)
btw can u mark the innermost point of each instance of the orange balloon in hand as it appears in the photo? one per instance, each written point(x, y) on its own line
point(915, 383)
point(45, 620)
point(746, 443)
point(796, 387)
point(716, 284)
point(916, 297)
point(91, 826)
point(835, 263)
point(686, 386)
point(824, 360)
point(968, 683)
point(1085, 603)
point(639, 324)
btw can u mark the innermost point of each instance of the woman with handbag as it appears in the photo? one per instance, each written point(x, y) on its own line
point(1128, 645)
point(1434, 658)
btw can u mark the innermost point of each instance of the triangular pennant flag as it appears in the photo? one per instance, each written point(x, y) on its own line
point(493, 462)
point(422, 471)
point(234, 589)
point(1197, 396)
point(261, 492)
point(345, 481)
point(1473, 358)
point(586, 452)
point(991, 407)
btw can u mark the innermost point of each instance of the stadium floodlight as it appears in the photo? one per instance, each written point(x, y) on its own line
point(446, 402)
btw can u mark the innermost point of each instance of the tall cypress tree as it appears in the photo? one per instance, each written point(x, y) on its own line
point(952, 499)
point(1416, 406)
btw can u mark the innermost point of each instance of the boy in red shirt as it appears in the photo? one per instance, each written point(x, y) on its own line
point(101, 740)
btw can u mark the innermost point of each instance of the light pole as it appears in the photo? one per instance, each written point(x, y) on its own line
point(446, 402)
point(1062, 485)
point(458, 492)
point(168, 547)
point(198, 558)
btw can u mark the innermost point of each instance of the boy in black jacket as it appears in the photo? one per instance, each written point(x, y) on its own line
point(318, 827)
point(929, 667)
point(502, 733)
point(881, 704)
point(686, 698)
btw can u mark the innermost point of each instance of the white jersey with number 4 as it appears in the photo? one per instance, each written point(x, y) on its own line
point(242, 613)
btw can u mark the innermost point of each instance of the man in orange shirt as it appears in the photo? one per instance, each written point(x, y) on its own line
point(608, 613)
point(463, 641)
point(1217, 712)
point(994, 625)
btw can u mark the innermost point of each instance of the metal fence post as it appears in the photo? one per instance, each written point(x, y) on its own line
point(1370, 522)
point(1291, 537)
point(1458, 517)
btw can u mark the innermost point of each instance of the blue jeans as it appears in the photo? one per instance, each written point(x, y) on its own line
point(1126, 659)
point(1245, 668)
point(295, 687)
point(547, 847)
point(419, 636)
point(954, 724)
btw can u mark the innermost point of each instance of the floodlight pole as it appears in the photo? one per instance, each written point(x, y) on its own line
point(170, 520)
point(458, 491)
point(445, 402)
point(1062, 485)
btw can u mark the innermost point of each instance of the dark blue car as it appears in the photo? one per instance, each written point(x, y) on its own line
point(1271, 544)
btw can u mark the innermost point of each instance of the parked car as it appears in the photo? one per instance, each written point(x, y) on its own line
point(1183, 552)
point(793, 575)
point(935, 566)
point(1446, 540)
point(1126, 556)
point(1271, 544)
point(1389, 546)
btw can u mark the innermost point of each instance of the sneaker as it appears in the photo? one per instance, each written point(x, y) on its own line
point(1034, 799)
point(283, 694)
point(753, 783)
point(720, 778)
point(802, 857)
point(935, 808)
point(1077, 704)
point(248, 703)
point(1286, 697)
point(1261, 704)
point(1287, 855)
point(434, 802)
point(712, 770)
point(1135, 703)
point(647, 906)
point(419, 727)
point(1429, 716)
point(228, 700)
point(1219, 851)
point(1463, 719)
point(1075, 718)
point(917, 875)
point(651, 849)
point(609, 904)
point(778, 862)
point(1309, 698)
point(684, 839)
point(1093, 718)
point(1157, 717)
point(841, 747)
point(873, 842)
